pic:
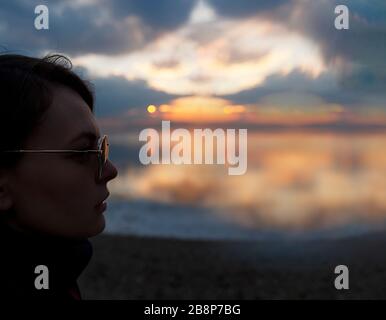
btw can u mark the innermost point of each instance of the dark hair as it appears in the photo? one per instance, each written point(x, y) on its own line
point(26, 92)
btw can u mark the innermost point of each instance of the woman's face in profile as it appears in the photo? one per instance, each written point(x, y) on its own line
point(58, 194)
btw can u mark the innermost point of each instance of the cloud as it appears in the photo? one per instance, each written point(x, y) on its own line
point(329, 86)
point(90, 26)
point(224, 60)
point(245, 8)
point(160, 14)
point(355, 58)
point(295, 81)
point(357, 54)
point(245, 51)
point(201, 109)
point(116, 95)
point(364, 43)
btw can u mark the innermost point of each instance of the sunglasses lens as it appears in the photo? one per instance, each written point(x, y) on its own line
point(105, 149)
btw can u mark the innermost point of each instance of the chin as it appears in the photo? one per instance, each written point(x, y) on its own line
point(92, 229)
point(98, 227)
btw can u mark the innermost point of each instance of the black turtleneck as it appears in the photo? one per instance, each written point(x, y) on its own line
point(21, 253)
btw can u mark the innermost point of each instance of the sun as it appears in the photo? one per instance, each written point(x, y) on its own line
point(151, 108)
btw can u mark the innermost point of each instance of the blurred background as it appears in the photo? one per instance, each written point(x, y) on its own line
point(312, 98)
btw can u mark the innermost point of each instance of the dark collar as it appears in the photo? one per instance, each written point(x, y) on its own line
point(21, 253)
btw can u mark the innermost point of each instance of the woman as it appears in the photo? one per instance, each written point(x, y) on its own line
point(53, 177)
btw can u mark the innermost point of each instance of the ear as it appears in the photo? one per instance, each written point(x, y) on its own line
point(6, 201)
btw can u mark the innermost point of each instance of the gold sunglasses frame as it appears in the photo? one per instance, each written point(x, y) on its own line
point(102, 151)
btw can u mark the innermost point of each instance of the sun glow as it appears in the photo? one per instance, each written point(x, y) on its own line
point(228, 57)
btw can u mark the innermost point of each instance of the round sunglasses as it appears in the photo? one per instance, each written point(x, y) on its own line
point(102, 152)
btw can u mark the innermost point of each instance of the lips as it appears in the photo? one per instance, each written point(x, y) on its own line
point(101, 207)
point(103, 201)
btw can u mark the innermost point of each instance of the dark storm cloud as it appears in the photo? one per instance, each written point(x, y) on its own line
point(360, 51)
point(363, 43)
point(16, 27)
point(296, 81)
point(164, 14)
point(115, 95)
point(108, 27)
point(357, 55)
point(327, 86)
point(244, 8)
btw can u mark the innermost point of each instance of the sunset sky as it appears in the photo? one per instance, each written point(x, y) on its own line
point(314, 97)
point(252, 62)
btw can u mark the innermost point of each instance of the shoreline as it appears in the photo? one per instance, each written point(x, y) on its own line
point(132, 267)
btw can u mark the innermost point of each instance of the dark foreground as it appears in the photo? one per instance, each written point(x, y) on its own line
point(151, 268)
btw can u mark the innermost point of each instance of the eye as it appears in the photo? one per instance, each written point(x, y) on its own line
point(82, 156)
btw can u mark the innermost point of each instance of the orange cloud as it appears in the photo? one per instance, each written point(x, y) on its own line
point(202, 109)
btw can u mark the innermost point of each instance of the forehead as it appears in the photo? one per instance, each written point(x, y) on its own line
point(67, 116)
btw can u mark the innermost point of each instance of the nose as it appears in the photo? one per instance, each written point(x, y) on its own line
point(109, 172)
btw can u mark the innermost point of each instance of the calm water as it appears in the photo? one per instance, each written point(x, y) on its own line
point(304, 183)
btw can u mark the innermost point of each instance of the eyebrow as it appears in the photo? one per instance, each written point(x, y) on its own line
point(89, 135)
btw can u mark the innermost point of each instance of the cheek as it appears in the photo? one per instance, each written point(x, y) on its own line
point(57, 201)
point(58, 184)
